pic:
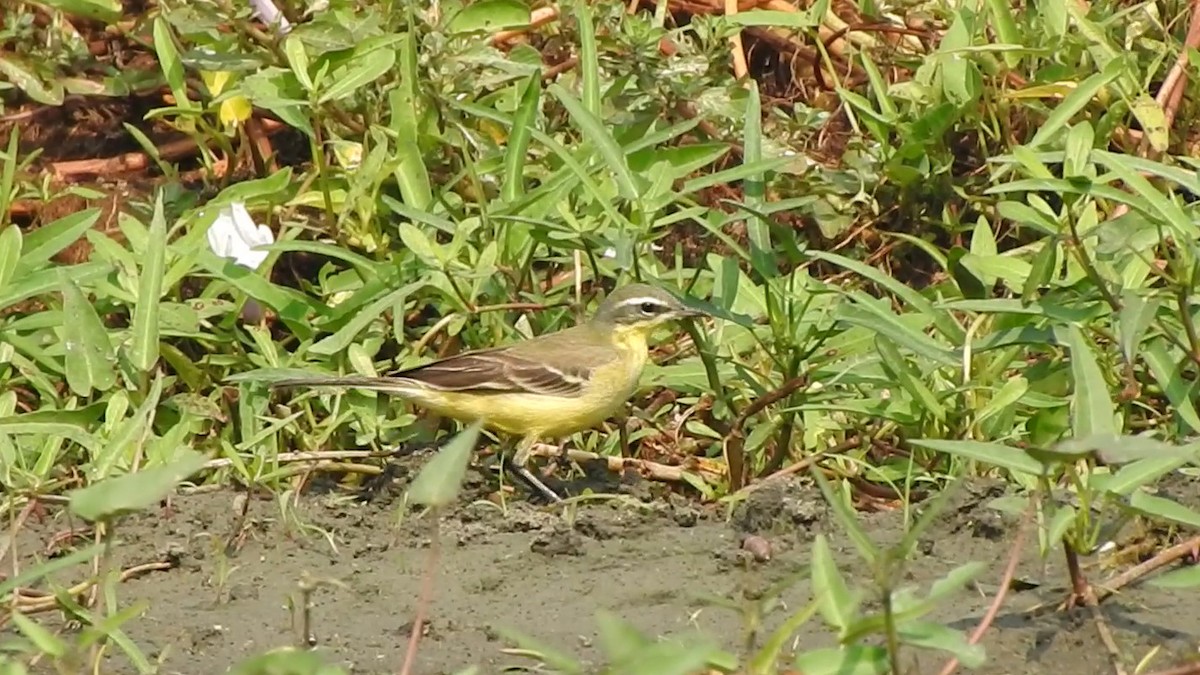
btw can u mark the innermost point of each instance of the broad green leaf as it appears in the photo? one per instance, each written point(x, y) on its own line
point(295, 309)
point(286, 661)
point(1139, 474)
point(589, 60)
point(1180, 390)
point(296, 55)
point(944, 322)
point(1005, 25)
point(23, 76)
point(489, 16)
point(106, 11)
point(42, 639)
point(1061, 520)
point(440, 480)
point(169, 61)
point(1003, 456)
point(518, 139)
point(143, 351)
point(1042, 270)
point(932, 635)
point(777, 642)
point(618, 638)
point(46, 242)
point(341, 339)
point(773, 18)
point(1091, 408)
point(597, 133)
point(10, 253)
point(900, 368)
point(837, 605)
point(1185, 578)
point(850, 660)
point(89, 352)
point(32, 574)
point(405, 108)
point(115, 497)
point(124, 443)
point(1079, 98)
point(365, 69)
point(870, 316)
point(1161, 507)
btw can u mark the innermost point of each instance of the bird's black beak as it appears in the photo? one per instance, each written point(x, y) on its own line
point(690, 313)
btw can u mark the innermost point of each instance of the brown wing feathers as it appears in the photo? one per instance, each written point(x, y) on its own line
point(490, 371)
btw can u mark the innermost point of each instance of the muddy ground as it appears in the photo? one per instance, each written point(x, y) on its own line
point(534, 571)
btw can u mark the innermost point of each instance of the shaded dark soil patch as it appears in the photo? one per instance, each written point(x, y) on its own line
point(545, 575)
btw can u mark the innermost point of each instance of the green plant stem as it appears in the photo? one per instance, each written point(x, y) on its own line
point(1093, 274)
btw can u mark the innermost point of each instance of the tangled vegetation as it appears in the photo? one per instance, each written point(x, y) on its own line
point(945, 242)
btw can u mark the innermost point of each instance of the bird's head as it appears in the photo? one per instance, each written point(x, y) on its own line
point(641, 307)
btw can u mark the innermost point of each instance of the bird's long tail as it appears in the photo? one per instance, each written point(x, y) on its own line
point(391, 385)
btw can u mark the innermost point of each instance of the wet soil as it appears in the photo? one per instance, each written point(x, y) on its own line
point(545, 574)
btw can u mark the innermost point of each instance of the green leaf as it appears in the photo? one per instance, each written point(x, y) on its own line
point(870, 316)
point(46, 242)
point(19, 72)
point(144, 349)
point(936, 636)
point(115, 497)
point(1133, 321)
point(995, 454)
point(1141, 473)
point(107, 11)
point(489, 16)
point(362, 318)
point(34, 573)
point(169, 61)
point(124, 443)
point(365, 69)
point(765, 659)
point(1168, 373)
point(1042, 270)
point(440, 480)
point(286, 661)
point(43, 640)
point(1074, 102)
point(89, 353)
point(1091, 408)
point(1162, 507)
point(518, 139)
point(943, 321)
point(833, 597)
point(1186, 578)
point(405, 109)
point(10, 253)
point(589, 59)
point(850, 660)
point(774, 18)
point(900, 368)
point(596, 131)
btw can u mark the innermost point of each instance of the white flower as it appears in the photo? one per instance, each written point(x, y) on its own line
point(270, 14)
point(235, 235)
point(611, 252)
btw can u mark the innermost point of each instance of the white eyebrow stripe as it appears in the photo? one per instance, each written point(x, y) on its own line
point(649, 299)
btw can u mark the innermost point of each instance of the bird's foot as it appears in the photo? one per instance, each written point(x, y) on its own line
point(533, 482)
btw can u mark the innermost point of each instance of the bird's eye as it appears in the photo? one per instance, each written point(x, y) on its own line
point(649, 307)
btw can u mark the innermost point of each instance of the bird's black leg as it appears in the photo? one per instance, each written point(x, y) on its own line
point(517, 468)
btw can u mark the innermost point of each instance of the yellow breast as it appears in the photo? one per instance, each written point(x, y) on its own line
point(549, 417)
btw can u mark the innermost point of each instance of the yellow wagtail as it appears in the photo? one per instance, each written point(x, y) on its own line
point(546, 387)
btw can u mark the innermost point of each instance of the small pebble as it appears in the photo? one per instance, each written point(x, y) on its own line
point(758, 547)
